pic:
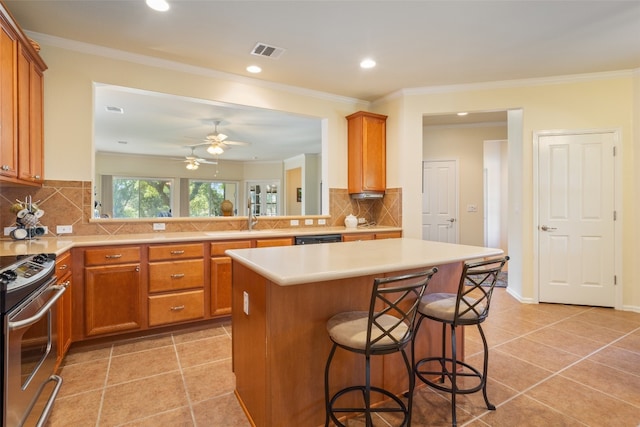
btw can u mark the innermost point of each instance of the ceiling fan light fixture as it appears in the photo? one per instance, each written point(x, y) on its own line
point(215, 149)
point(192, 166)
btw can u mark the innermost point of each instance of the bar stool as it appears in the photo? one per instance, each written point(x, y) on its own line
point(386, 328)
point(470, 306)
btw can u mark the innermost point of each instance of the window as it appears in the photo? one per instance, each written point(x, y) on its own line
point(206, 197)
point(141, 197)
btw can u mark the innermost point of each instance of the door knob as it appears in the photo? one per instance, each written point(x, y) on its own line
point(451, 220)
point(547, 228)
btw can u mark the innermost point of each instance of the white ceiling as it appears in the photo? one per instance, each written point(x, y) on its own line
point(415, 43)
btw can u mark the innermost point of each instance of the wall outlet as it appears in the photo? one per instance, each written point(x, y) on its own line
point(245, 302)
point(308, 222)
point(361, 220)
point(294, 222)
point(64, 229)
point(159, 226)
point(322, 221)
point(8, 230)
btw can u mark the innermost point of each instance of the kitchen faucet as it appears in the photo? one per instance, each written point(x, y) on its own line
point(251, 218)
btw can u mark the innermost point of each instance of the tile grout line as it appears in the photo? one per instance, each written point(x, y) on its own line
point(184, 381)
point(104, 388)
point(558, 373)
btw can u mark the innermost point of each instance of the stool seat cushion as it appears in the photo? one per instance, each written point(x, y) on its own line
point(443, 306)
point(350, 329)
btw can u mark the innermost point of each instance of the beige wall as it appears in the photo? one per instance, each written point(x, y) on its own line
point(464, 144)
point(584, 102)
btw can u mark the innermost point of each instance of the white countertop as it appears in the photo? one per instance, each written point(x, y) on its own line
point(294, 265)
point(58, 245)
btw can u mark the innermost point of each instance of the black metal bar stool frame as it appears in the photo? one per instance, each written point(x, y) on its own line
point(470, 306)
point(386, 328)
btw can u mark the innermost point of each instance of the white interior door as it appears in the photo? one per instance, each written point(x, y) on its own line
point(440, 201)
point(576, 219)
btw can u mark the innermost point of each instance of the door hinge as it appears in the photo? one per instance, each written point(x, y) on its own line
point(614, 151)
point(615, 280)
point(615, 215)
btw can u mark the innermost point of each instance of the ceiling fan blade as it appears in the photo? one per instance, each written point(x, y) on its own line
point(238, 143)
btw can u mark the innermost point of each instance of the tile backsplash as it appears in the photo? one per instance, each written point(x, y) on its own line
point(70, 203)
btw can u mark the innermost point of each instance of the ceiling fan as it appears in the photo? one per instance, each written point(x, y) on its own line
point(217, 142)
point(193, 162)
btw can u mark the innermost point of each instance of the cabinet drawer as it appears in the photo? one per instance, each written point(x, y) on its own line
point(63, 265)
point(267, 243)
point(218, 248)
point(178, 307)
point(115, 255)
point(172, 275)
point(357, 237)
point(389, 235)
point(180, 251)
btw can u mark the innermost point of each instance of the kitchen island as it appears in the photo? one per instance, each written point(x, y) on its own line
point(282, 299)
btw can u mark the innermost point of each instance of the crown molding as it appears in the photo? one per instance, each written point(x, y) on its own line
point(505, 84)
point(90, 49)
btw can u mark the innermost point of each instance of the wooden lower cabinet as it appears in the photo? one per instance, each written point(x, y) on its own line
point(176, 307)
point(221, 275)
point(65, 308)
point(371, 236)
point(267, 243)
point(112, 299)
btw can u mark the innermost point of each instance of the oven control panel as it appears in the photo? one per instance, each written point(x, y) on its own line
point(27, 270)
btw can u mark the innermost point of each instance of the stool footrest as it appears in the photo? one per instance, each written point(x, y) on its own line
point(427, 375)
point(400, 406)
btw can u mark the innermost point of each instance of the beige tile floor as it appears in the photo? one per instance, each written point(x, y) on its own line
point(550, 365)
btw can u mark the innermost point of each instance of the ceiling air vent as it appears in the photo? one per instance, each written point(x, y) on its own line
point(262, 49)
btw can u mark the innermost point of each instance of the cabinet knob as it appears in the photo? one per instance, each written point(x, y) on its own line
point(36, 177)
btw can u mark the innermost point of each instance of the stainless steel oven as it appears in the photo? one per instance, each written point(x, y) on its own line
point(30, 340)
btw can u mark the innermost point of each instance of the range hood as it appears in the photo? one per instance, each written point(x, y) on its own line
point(368, 195)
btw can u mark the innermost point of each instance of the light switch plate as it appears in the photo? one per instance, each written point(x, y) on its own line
point(159, 226)
point(64, 229)
point(308, 222)
point(294, 222)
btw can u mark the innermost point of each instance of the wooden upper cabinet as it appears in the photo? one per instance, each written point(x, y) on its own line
point(21, 105)
point(30, 118)
point(367, 152)
point(8, 117)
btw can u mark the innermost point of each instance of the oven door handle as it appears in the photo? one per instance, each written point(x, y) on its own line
point(60, 289)
point(52, 397)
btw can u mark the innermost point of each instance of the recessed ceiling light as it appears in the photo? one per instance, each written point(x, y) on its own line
point(159, 5)
point(254, 69)
point(367, 63)
point(462, 113)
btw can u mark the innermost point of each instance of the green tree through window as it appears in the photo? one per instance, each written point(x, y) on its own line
point(141, 198)
point(205, 197)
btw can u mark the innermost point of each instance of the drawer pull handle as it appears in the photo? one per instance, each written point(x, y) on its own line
point(177, 308)
point(63, 267)
point(181, 252)
point(114, 256)
point(177, 276)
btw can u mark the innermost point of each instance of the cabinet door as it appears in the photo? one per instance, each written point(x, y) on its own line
point(389, 235)
point(367, 160)
point(8, 124)
point(30, 111)
point(220, 286)
point(112, 299)
point(64, 278)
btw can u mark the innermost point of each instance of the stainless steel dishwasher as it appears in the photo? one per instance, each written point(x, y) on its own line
point(321, 238)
